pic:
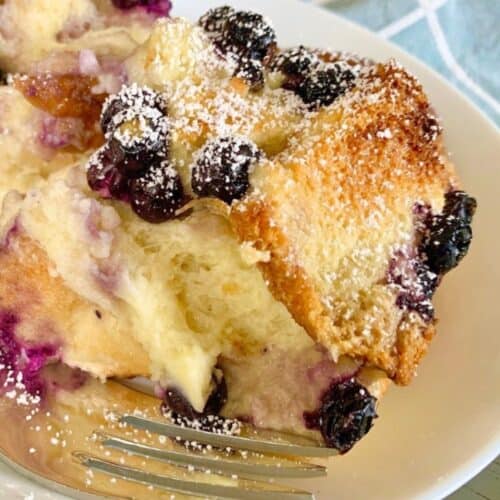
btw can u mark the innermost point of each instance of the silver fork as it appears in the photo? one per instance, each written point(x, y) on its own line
point(244, 466)
point(275, 449)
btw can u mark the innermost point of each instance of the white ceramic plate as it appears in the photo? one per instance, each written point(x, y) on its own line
point(442, 430)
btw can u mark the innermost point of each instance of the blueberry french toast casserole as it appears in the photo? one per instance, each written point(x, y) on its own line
point(258, 230)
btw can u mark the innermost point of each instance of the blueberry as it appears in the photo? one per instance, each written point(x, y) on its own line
point(128, 98)
point(141, 139)
point(222, 168)
point(460, 205)
point(323, 86)
point(99, 169)
point(178, 403)
point(431, 128)
point(295, 64)
point(448, 236)
point(112, 106)
point(346, 415)
point(135, 124)
point(252, 72)
point(214, 21)
point(157, 195)
point(218, 396)
point(247, 34)
point(104, 177)
point(144, 130)
point(119, 186)
point(130, 164)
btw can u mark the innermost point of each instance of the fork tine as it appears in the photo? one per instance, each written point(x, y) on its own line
point(215, 464)
point(189, 487)
point(222, 441)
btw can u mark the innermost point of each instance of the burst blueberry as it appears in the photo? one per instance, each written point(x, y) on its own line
point(129, 97)
point(141, 138)
point(214, 21)
point(223, 167)
point(178, 403)
point(346, 414)
point(415, 283)
point(218, 396)
point(158, 194)
point(295, 64)
point(251, 72)
point(247, 34)
point(104, 177)
point(449, 234)
point(323, 86)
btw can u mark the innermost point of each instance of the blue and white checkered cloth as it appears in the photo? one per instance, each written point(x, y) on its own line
point(458, 38)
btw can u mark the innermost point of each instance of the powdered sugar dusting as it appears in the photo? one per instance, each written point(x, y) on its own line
point(135, 127)
point(209, 423)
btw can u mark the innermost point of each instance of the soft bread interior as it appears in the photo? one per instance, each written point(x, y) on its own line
point(186, 291)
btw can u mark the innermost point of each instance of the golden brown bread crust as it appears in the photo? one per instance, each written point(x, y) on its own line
point(334, 209)
point(49, 312)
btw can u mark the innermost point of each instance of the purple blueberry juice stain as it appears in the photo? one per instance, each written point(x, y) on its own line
point(409, 274)
point(61, 377)
point(11, 233)
point(159, 8)
point(56, 133)
point(414, 281)
point(421, 211)
point(50, 135)
point(21, 364)
point(108, 276)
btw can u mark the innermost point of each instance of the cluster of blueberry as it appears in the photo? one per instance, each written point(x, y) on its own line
point(133, 165)
point(315, 83)
point(244, 38)
point(248, 40)
point(345, 414)
point(444, 241)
